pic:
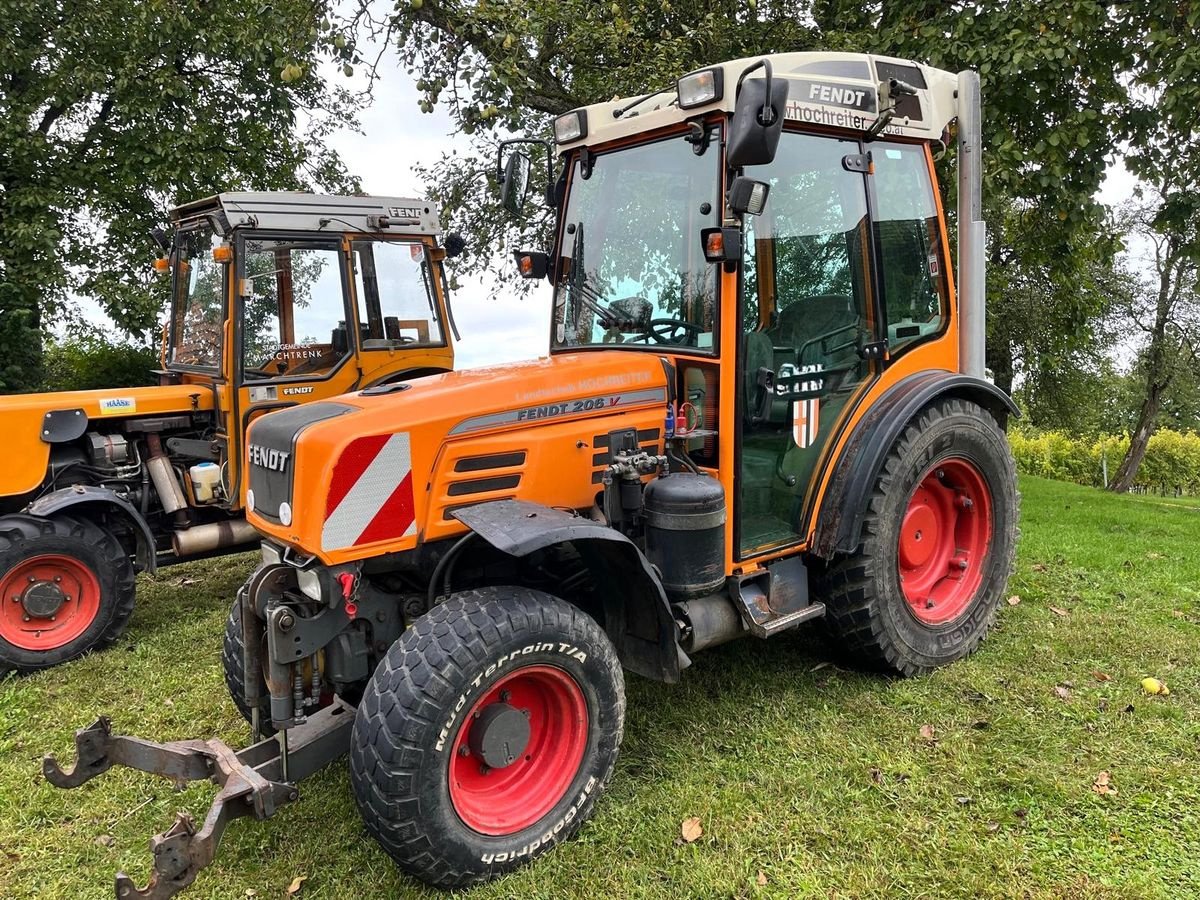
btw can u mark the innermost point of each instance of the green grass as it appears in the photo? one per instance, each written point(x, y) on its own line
point(816, 777)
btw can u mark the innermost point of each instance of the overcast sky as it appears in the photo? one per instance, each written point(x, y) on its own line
point(397, 137)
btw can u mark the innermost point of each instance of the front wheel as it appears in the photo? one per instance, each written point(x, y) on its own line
point(939, 538)
point(486, 734)
point(66, 587)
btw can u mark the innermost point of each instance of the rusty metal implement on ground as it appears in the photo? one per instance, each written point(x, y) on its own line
point(252, 783)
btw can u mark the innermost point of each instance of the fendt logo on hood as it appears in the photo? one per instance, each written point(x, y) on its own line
point(266, 458)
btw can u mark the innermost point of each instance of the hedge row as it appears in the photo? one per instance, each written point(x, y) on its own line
point(1171, 466)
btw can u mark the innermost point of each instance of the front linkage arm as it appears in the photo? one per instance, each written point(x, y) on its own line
point(251, 783)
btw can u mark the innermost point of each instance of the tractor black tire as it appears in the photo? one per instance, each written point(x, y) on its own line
point(233, 665)
point(415, 746)
point(866, 608)
point(75, 563)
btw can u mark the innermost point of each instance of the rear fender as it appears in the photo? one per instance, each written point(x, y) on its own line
point(94, 502)
point(840, 516)
point(637, 615)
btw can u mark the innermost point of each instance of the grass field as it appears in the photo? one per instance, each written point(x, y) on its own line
point(809, 779)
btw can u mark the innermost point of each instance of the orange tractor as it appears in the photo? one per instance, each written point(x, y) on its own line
point(277, 299)
point(763, 405)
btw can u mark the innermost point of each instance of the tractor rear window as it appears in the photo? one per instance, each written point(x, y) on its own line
point(395, 295)
point(906, 230)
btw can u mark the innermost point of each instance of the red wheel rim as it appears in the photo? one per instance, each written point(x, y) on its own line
point(499, 801)
point(47, 601)
point(944, 541)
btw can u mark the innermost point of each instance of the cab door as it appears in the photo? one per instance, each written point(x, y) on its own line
point(294, 327)
point(810, 330)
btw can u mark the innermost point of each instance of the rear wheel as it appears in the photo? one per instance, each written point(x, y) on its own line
point(66, 587)
point(486, 734)
point(939, 538)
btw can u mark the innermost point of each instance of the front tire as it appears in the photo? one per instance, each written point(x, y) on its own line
point(486, 734)
point(66, 587)
point(233, 665)
point(939, 540)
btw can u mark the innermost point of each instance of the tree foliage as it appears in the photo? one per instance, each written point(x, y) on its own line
point(110, 112)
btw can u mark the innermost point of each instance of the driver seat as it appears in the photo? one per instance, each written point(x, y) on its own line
point(808, 318)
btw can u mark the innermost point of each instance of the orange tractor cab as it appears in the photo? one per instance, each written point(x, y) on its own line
point(277, 299)
point(763, 404)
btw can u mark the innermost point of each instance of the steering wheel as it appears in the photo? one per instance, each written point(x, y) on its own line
point(671, 331)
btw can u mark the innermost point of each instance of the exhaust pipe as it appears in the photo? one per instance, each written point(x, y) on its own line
point(214, 536)
point(972, 253)
point(166, 485)
point(708, 621)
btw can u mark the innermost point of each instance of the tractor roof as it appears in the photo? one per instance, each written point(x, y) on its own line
point(299, 211)
point(839, 90)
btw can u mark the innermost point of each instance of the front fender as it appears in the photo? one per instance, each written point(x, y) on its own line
point(98, 498)
point(840, 516)
point(638, 615)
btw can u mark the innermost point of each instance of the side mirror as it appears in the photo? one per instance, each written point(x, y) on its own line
point(757, 119)
point(532, 263)
point(514, 183)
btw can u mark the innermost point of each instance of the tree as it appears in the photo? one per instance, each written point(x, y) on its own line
point(1167, 310)
point(109, 112)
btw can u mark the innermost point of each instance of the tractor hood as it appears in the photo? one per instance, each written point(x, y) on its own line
point(380, 471)
point(32, 423)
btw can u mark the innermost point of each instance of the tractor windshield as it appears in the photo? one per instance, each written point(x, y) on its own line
point(633, 270)
point(198, 291)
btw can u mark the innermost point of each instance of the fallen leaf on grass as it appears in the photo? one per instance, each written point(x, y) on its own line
point(1101, 676)
point(964, 801)
point(297, 885)
point(1062, 692)
point(1038, 567)
point(1014, 600)
point(1103, 784)
point(1059, 611)
point(981, 725)
point(927, 734)
point(251, 892)
point(1177, 613)
point(690, 830)
point(876, 775)
point(1153, 687)
point(105, 840)
point(761, 879)
point(819, 666)
point(992, 827)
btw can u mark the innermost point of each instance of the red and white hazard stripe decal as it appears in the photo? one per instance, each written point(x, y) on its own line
point(806, 419)
point(370, 493)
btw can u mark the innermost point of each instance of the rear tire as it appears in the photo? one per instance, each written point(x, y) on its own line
point(939, 541)
point(417, 757)
point(66, 588)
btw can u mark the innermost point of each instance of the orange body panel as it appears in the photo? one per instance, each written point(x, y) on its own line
point(551, 410)
point(21, 418)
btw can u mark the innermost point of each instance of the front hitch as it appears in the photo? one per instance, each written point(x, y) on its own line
point(251, 781)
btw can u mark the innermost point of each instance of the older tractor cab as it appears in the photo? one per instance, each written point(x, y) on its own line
point(763, 404)
point(277, 299)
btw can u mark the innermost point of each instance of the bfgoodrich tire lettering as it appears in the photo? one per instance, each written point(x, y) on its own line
point(867, 610)
point(414, 707)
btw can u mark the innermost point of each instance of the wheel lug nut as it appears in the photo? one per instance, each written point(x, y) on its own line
point(929, 603)
point(484, 768)
point(505, 696)
point(962, 564)
point(32, 579)
point(25, 618)
point(464, 750)
point(57, 579)
point(941, 474)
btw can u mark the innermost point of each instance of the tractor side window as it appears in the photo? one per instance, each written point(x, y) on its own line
point(396, 297)
point(294, 311)
point(199, 291)
point(906, 230)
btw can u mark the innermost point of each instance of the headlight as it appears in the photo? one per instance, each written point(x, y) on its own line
point(570, 127)
point(700, 88)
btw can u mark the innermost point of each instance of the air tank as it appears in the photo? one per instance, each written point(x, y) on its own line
point(685, 533)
